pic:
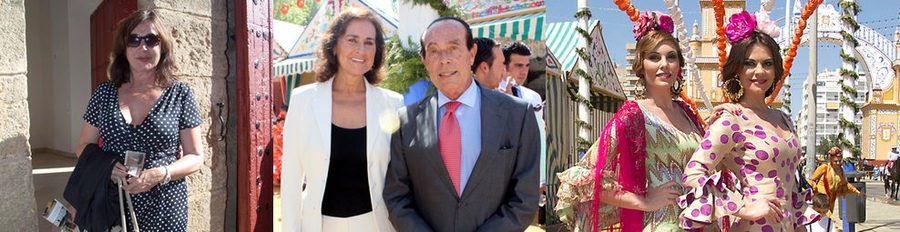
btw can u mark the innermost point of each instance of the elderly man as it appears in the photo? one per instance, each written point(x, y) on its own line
point(464, 158)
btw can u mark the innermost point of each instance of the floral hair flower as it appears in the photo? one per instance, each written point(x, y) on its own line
point(766, 25)
point(652, 21)
point(834, 151)
point(740, 26)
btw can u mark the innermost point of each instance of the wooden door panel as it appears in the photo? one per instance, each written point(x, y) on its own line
point(253, 54)
point(104, 22)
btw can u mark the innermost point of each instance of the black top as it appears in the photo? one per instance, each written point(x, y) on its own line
point(347, 187)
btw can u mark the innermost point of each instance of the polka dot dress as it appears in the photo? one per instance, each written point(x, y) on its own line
point(164, 207)
point(763, 163)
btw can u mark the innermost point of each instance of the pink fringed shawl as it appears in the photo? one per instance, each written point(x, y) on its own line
point(629, 162)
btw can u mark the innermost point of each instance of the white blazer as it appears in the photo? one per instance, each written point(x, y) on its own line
point(307, 148)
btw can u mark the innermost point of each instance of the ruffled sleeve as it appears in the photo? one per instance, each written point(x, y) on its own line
point(709, 197)
point(575, 197)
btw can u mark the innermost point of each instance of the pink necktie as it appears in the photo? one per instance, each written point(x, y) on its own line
point(450, 142)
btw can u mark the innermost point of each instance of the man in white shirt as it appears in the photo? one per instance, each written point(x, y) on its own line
point(518, 58)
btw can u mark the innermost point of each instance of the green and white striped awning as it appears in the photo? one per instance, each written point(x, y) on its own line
point(522, 27)
point(293, 66)
point(562, 40)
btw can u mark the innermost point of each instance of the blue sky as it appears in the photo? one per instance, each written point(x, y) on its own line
point(881, 15)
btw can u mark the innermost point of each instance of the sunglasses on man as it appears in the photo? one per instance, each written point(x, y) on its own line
point(135, 40)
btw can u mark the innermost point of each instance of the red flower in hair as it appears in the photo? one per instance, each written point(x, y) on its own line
point(652, 21)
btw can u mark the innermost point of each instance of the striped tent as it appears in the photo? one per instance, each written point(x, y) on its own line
point(562, 40)
point(293, 66)
point(522, 27)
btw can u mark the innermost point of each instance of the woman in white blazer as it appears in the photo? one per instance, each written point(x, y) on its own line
point(337, 134)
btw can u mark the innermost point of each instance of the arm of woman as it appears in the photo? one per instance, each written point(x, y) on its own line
point(820, 171)
point(89, 134)
point(190, 161)
point(708, 197)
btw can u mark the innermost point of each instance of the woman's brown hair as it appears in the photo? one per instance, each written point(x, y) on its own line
point(328, 61)
point(646, 45)
point(739, 54)
point(119, 70)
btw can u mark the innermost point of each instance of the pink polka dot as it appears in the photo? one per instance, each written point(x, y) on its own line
point(749, 146)
point(706, 144)
point(758, 127)
point(767, 228)
point(692, 164)
point(775, 150)
point(726, 122)
point(772, 174)
point(706, 210)
point(758, 177)
point(754, 190)
point(735, 127)
point(723, 139)
point(732, 206)
point(695, 213)
point(712, 156)
point(739, 161)
point(754, 162)
point(738, 137)
point(760, 134)
point(774, 139)
point(779, 193)
point(761, 221)
point(763, 155)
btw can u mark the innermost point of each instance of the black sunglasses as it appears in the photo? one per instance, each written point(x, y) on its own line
point(150, 40)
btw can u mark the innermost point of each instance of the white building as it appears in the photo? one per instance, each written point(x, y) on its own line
point(828, 92)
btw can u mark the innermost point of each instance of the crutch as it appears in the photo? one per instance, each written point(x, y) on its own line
point(130, 208)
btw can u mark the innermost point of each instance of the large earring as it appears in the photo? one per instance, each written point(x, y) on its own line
point(676, 87)
point(734, 97)
point(641, 88)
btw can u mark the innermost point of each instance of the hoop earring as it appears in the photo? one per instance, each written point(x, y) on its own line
point(734, 97)
point(641, 88)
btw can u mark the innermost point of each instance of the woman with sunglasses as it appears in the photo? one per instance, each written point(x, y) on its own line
point(758, 146)
point(337, 133)
point(143, 108)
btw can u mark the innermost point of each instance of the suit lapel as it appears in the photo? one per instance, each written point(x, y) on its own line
point(322, 104)
point(428, 133)
point(492, 119)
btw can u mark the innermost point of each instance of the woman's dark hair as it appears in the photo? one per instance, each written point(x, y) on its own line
point(740, 52)
point(328, 61)
point(119, 70)
point(646, 45)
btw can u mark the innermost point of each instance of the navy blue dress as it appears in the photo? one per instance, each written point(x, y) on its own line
point(164, 207)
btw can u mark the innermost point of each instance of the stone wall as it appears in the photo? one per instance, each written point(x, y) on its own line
point(199, 32)
point(16, 191)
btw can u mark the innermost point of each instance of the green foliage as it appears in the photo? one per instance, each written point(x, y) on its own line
point(848, 124)
point(848, 58)
point(439, 6)
point(852, 104)
point(586, 35)
point(582, 12)
point(845, 72)
point(850, 21)
point(848, 90)
point(827, 143)
point(404, 65)
point(847, 36)
point(295, 15)
point(851, 8)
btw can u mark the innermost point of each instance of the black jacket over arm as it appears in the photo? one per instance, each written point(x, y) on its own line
point(90, 191)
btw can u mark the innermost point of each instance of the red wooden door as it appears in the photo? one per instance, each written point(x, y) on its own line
point(104, 22)
point(254, 114)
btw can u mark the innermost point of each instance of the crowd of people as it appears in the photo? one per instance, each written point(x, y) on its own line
point(466, 158)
